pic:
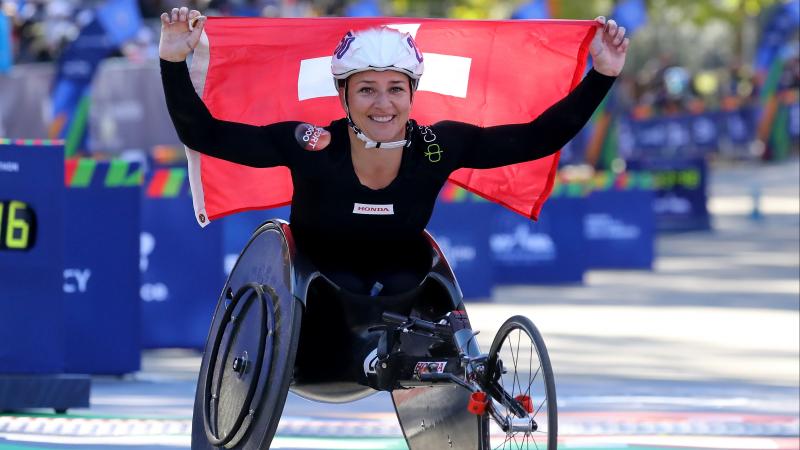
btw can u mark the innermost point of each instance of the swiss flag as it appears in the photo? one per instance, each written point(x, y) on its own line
point(262, 71)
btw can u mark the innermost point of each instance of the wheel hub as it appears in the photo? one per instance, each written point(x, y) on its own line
point(240, 365)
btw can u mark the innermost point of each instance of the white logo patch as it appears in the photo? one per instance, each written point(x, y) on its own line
point(377, 210)
point(370, 361)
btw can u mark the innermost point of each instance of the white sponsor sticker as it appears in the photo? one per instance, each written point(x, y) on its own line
point(377, 210)
point(423, 367)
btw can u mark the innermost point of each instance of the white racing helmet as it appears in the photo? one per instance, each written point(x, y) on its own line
point(376, 49)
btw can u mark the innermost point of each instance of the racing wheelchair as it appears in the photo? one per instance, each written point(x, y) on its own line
point(281, 325)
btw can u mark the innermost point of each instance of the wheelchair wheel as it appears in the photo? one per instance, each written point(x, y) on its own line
point(519, 369)
point(246, 372)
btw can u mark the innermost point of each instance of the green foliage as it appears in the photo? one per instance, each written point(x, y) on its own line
point(699, 12)
point(695, 33)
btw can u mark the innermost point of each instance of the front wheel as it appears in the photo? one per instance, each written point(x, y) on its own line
point(519, 379)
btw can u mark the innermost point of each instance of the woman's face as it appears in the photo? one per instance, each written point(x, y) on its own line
point(380, 103)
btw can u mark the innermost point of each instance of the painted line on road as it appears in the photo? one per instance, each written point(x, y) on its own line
point(386, 426)
point(572, 443)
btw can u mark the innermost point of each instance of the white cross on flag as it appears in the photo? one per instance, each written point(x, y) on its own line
point(262, 71)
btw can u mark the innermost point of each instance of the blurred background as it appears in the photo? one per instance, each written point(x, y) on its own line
point(710, 58)
point(681, 192)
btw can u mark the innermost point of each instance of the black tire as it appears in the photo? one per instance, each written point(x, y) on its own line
point(518, 350)
point(247, 419)
point(248, 362)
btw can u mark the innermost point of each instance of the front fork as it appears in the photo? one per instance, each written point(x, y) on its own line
point(476, 373)
point(520, 419)
point(477, 377)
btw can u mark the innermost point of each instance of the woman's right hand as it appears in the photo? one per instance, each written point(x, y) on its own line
point(177, 40)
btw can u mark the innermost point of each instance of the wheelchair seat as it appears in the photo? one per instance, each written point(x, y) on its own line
point(335, 335)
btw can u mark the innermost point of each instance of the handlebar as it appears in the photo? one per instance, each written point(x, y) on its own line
point(414, 323)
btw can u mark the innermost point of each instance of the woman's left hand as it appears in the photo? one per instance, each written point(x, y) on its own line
point(609, 47)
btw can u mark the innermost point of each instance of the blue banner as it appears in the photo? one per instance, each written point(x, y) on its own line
point(6, 58)
point(31, 259)
point(461, 230)
point(549, 251)
point(181, 266)
point(619, 229)
point(680, 202)
point(673, 136)
point(101, 274)
point(687, 136)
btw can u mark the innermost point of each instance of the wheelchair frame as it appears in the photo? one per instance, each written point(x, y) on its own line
point(433, 408)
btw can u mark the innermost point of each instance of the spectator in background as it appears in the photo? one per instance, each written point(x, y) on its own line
point(737, 87)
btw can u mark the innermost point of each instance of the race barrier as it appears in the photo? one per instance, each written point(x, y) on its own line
point(180, 263)
point(548, 251)
point(31, 258)
point(603, 222)
point(730, 133)
point(508, 248)
point(689, 135)
point(32, 322)
point(619, 220)
point(101, 260)
point(619, 230)
point(460, 225)
point(681, 198)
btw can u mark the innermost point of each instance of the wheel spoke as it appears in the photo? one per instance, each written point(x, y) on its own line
point(532, 380)
point(503, 444)
point(516, 362)
point(540, 405)
point(530, 369)
point(514, 365)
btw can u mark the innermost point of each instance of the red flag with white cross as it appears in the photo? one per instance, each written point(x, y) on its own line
point(262, 71)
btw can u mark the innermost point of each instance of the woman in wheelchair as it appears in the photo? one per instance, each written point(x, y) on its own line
point(365, 187)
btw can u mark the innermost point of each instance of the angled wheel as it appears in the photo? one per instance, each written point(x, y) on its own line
point(522, 389)
point(249, 356)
